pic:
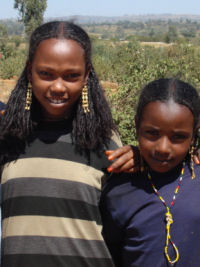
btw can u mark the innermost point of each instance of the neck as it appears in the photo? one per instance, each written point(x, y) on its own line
point(170, 175)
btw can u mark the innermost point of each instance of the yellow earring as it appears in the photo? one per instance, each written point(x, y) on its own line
point(28, 97)
point(85, 103)
point(191, 152)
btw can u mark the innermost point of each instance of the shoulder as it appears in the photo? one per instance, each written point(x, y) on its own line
point(113, 142)
point(124, 188)
point(115, 138)
point(188, 171)
point(197, 170)
point(123, 196)
point(98, 157)
point(124, 182)
point(118, 184)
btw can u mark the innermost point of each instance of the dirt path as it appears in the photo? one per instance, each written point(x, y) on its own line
point(6, 86)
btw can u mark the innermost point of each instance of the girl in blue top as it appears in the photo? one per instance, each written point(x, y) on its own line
point(152, 218)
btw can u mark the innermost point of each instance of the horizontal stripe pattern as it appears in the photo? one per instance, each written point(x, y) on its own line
point(52, 169)
point(59, 246)
point(55, 188)
point(54, 261)
point(56, 207)
point(51, 226)
point(50, 199)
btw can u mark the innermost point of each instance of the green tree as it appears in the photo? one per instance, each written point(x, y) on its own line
point(31, 13)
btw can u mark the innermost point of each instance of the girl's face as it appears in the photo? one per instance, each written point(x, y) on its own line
point(165, 134)
point(58, 74)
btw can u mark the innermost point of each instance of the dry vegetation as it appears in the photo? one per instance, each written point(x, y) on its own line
point(6, 86)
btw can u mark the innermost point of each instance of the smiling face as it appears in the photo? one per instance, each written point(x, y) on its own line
point(58, 74)
point(165, 134)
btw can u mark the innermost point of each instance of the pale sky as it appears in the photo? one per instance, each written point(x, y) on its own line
point(58, 8)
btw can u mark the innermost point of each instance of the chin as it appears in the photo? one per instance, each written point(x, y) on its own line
point(162, 168)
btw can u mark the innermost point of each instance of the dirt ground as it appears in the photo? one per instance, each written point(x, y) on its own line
point(6, 86)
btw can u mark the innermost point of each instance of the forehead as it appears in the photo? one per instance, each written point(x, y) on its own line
point(56, 49)
point(167, 115)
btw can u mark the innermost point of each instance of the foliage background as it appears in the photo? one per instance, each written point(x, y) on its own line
point(132, 65)
point(126, 64)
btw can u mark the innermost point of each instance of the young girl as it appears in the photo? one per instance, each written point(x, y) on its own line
point(53, 133)
point(152, 218)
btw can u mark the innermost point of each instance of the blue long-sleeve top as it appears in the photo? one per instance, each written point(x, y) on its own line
point(134, 218)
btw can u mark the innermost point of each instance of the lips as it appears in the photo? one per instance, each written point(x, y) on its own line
point(160, 164)
point(57, 101)
point(161, 160)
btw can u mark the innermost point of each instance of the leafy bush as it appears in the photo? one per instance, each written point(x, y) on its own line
point(132, 66)
point(12, 62)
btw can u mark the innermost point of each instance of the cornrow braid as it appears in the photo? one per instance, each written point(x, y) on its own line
point(165, 90)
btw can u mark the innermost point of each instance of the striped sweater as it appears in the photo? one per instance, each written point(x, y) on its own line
point(50, 198)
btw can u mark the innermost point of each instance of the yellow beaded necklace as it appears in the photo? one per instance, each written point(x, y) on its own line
point(168, 216)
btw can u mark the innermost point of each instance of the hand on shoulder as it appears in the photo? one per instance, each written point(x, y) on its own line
point(125, 159)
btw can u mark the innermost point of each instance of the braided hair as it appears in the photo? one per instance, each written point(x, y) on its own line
point(90, 130)
point(180, 92)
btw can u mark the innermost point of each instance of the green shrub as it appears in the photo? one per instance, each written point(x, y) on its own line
point(132, 66)
point(12, 65)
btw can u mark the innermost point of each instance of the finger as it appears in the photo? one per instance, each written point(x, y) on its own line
point(131, 170)
point(196, 159)
point(125, 166)
point(108, 153)
point(123, 160)
point(197, 155)
point(114, 154)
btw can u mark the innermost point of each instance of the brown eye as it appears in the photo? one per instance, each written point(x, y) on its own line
point(44, 73)
point(152, 132)
point(179, 137)
point(72, 76)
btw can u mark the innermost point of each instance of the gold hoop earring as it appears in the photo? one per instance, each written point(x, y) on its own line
point(85, 103)
point(28, 97)
point(191, 152)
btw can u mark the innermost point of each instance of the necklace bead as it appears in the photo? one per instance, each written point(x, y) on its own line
point(168, 216)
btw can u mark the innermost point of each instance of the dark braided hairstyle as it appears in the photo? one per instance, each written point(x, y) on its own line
point(90, 131)
point(165, 90)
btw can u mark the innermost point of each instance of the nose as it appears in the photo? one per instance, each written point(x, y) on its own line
point(58, 87)
point(163, 147)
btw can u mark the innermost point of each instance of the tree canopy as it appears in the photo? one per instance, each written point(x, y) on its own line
point(31, 13)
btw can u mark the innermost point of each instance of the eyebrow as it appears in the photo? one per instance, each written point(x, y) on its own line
point(179, 131)
point(52, 69)
point(151, 126)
